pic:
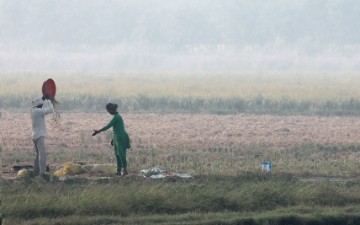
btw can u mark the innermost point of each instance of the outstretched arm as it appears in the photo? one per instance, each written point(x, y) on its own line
point(110, 124)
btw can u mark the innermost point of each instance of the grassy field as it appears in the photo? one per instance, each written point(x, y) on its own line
point(218, 128)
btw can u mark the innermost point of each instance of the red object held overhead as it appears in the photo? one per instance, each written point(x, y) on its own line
point(49, 88)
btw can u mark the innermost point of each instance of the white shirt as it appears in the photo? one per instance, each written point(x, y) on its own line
point(38, 120)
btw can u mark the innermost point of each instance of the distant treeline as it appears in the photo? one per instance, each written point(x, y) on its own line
point(211, 105)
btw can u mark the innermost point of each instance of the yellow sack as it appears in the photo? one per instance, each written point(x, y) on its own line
point(69, 168)
point(59, 172)
point(23, 173)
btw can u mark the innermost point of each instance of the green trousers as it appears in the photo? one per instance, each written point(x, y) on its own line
point(120, 153)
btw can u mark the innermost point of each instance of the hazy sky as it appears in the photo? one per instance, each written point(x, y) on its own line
point(180, 35)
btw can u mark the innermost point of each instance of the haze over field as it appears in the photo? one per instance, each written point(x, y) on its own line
point(186, 35)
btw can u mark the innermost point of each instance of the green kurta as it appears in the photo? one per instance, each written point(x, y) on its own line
point(120, 138)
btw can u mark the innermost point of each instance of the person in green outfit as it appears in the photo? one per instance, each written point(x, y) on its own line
point(121, 139)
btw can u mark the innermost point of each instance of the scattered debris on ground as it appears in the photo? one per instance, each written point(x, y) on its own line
point(157, 173)
point(75, 171)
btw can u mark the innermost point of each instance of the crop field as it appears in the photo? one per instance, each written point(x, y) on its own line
point(214, 93)
point(314, 149)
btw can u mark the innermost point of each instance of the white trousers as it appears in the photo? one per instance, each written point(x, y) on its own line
point(40, 156)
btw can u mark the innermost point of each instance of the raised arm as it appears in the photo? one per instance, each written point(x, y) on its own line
point(47, 109)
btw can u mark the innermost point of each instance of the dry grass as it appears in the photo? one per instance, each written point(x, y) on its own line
point(198, 144)
point(269, 85)
point(227, 149)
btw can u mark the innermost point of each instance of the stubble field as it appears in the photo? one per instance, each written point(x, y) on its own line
point(197, 144)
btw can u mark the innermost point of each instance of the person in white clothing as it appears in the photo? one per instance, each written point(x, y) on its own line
point(41, 106)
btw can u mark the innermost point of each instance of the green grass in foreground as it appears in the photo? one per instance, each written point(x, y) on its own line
point(249, 198)
point(296, 216)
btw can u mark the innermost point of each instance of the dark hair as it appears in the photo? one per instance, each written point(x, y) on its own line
point(111, 107)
